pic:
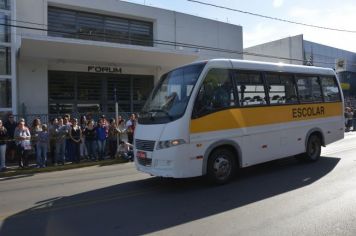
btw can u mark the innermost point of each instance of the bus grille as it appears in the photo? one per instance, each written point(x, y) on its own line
point(145, 145)
point(145, 161)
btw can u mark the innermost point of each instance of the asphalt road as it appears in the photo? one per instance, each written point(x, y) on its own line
point(285, 197)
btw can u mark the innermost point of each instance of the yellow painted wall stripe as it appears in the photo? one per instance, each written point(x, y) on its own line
point(255, 116)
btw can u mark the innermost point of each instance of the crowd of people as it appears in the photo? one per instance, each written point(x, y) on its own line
point(350, 119)
point(65, 140)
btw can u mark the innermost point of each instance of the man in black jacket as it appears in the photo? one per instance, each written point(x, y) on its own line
point(10, 126)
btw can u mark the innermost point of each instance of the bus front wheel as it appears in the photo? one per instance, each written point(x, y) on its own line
point(221, 165)
point(313, 148)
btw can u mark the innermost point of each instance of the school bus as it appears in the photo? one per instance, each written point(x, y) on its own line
point(213, 117)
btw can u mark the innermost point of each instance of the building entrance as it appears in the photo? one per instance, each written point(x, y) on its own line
point(82, 92)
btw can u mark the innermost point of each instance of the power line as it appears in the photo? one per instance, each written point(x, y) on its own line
point(165, 42)
point(273, 18)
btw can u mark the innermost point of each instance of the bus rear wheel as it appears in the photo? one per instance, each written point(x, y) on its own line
point(221, 165)
point(313, 148)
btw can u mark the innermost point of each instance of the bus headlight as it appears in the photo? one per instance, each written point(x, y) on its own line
point(170, 143)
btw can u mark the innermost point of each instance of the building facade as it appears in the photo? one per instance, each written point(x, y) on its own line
point(73, 56)
point(296, 50)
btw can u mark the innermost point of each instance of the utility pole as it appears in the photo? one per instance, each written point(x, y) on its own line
point(117, 118)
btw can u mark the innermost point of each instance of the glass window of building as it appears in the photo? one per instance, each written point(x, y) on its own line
point(62, 23)
point(97, 27)
point(5, 93)
point(5, 33)
point(5, 61)
point(5, 4)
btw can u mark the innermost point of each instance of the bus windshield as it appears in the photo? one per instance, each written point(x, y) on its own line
point(170, 97)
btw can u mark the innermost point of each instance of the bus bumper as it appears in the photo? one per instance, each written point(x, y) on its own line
point(174, 162)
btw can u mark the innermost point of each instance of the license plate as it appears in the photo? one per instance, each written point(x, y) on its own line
point(141, 155)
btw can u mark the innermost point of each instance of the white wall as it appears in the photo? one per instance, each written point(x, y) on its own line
point(168, 25)
point(33, 86)
point(32, 14)
point(209, 33)
point(291, 47)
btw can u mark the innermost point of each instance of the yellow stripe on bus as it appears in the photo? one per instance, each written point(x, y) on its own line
point(256, 116)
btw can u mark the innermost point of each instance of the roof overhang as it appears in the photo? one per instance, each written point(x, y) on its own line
point(53, 48)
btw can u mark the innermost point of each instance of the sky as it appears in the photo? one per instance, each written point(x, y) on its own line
point(339, 14)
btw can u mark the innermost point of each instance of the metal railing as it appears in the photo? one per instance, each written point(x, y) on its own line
point(46, 118)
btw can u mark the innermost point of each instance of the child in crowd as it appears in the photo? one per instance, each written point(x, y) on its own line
point(126, 150)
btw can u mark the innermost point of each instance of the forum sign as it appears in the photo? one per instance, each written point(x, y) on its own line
point(105, 69)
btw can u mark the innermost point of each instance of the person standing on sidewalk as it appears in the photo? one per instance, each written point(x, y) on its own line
point(90, 140)
point(35, 129)
point(23, 140)
point(3, 139)
point(130, 128)
point(112, 137)
point(67, 125)
point(102, 135)
point(10, 126)
point(61, 135)
point(42, 146)
point(83, 148)
point(75, 135)
point(52, 140)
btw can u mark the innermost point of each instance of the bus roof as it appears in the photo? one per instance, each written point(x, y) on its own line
point(275, 67)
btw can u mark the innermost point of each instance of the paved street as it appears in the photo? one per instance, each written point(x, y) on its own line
point(285, 197)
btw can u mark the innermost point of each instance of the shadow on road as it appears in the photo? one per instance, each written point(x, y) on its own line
point(154, 204)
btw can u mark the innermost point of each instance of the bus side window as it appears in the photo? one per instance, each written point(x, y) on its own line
point(309, 89)
point(250, 88)
point(282, 89)
point(330, 89)
point(215, 93)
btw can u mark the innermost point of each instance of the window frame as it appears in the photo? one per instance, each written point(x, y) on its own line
point(262, 76)
point(293, 75)
point(104, 33)
point(320, 87)
point(334, 78)
point(231, 76)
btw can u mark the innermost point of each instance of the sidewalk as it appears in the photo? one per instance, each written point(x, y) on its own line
point(350, 133)
point(14, 170)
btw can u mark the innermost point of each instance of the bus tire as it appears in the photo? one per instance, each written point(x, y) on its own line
point(221, 166)
point(313, 148)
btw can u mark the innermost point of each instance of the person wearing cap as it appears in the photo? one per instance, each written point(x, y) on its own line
point(106, 122)
point(23, 141)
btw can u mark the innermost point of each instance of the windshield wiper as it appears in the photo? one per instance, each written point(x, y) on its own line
point(163, 111)
point(149, 113)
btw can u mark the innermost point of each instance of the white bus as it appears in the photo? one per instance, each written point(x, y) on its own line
point(210, 118)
